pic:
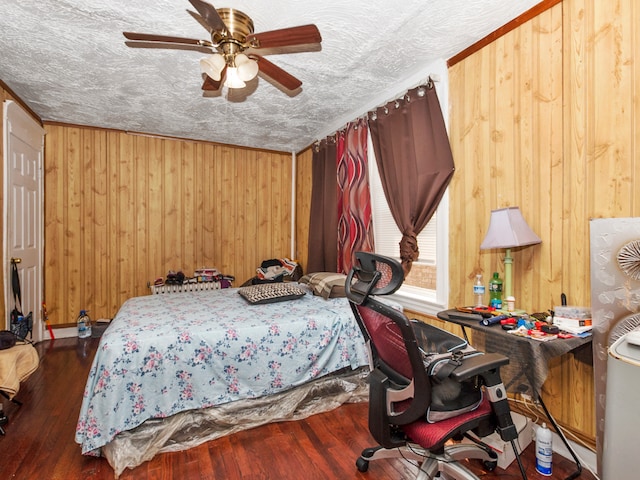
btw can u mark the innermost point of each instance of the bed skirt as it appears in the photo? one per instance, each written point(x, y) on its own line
point(194, 427)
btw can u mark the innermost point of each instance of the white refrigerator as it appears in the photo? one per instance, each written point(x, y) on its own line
point(622, 412)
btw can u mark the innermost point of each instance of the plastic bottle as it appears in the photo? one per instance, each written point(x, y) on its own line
point(84, 325)
point(544, 451)
point(495, 291)
point(478, 291)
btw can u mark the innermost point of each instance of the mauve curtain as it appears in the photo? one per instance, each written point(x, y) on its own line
point(355, 229)
point(323, 224)
point(414, 160)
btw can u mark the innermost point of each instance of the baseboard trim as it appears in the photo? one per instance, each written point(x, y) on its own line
point(67, 332)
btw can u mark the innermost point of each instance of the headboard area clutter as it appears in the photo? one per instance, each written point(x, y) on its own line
point(202, 279)
point(285, 284)
point(276, 270)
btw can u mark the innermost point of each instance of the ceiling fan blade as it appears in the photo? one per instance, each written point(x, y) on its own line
point(148, 37)
point(169, 46)
point(200, 20)
point(211, 85)
point(209, 14)
point(276, 73)
point(286, 37)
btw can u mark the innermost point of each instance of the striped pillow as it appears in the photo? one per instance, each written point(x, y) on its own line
point(271, 292)
point(326, 284)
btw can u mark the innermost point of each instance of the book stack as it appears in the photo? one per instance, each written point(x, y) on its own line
point(206, 274)
point(573, 319)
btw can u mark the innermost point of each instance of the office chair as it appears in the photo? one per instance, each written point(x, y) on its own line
point(401, 389)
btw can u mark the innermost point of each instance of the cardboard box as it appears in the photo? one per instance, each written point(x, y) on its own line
point(503, 449)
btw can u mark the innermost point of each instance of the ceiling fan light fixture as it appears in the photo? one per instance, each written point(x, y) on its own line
point(213, 66)
point(247, 67)
point(233, 79)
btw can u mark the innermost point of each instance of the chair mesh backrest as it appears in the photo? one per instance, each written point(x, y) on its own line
point(386, 272)
point(387, 339)
point(379, 275)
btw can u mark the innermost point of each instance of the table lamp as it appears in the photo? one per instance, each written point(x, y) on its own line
point(508, 229)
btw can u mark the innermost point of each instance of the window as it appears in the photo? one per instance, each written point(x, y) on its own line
point(425, 290)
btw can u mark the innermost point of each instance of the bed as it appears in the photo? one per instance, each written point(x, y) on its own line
point(169, 359)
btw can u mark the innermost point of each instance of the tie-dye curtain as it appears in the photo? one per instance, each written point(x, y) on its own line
point(355, 228)
point(323, 223)
point(414, 160)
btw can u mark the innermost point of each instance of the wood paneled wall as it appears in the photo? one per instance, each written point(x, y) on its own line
point(303, 205)
point(122, 210)
point(546, 118)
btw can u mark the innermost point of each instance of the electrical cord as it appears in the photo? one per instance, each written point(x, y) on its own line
point(534, 408)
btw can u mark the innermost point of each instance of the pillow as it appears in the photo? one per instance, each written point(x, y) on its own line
point(326, 284)
point(271, 292)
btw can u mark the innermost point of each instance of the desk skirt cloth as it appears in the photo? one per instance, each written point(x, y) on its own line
point(529, 359)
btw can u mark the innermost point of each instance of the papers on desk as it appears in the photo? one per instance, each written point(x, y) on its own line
point(532, 334)
point(573, 325)
point(545, 337)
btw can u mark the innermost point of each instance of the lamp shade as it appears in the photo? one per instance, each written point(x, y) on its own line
point(213, 66)
point(247, 68)
point(508, 229)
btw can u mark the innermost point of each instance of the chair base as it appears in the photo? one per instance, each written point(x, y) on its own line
point(445, 463)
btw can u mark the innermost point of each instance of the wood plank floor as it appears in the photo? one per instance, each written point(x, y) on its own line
point(39, 441)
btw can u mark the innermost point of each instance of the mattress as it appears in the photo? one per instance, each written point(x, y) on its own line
point(165, 354)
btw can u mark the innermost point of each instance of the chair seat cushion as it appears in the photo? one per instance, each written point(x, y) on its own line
point(432, 435)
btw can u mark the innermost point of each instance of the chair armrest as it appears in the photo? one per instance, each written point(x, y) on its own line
point(479, 365)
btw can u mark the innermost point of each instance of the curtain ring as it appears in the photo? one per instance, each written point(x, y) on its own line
point(397, 104)
point(373, 116)
point(430, 83)
point(386, 111)
point(421, 92)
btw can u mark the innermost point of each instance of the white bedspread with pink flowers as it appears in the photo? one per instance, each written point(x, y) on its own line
point(163, 354)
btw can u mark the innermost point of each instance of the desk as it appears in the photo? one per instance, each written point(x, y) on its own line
point(528, 360)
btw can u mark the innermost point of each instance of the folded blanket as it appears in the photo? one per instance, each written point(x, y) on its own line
point(16, 364)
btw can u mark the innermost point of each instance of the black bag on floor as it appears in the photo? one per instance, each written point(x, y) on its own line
point(20, 325)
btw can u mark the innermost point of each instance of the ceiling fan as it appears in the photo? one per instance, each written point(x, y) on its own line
point(233, 45)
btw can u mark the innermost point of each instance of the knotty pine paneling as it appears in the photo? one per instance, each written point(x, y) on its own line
point(121, 210)
point(303, 205)
point(546, 118)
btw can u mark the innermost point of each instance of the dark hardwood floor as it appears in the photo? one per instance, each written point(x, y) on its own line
point(39, 441)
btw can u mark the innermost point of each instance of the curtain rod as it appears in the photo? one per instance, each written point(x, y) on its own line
point(433, 77)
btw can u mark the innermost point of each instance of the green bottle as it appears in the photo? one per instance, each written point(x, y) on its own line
point(495, 292)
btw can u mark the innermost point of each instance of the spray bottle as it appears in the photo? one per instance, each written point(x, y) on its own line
point(544, 451)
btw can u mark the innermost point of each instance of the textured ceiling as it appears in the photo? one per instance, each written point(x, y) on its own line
point(67, 60)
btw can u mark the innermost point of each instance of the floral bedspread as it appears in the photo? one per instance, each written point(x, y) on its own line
point(166, 353)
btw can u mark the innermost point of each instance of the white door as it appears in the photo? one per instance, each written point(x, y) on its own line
point(23, 186)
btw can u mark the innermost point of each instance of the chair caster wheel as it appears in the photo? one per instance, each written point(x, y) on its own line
point(490, 465)
point(362, 464)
